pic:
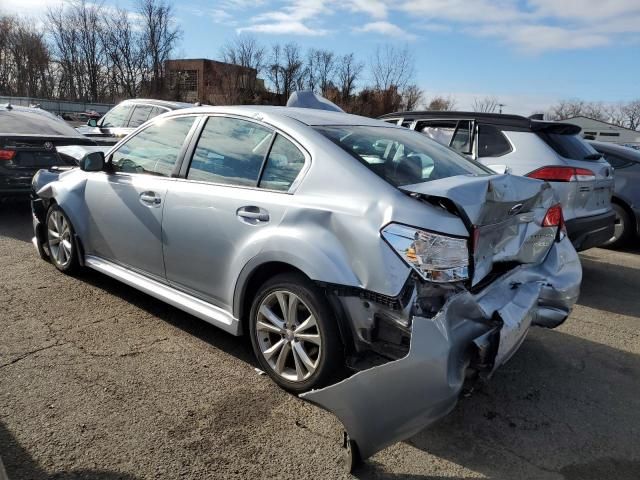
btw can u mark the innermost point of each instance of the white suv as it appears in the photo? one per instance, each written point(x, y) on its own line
point(551, 151)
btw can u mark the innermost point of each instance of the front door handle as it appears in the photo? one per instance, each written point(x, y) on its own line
point(150, 198)
point(253, 215)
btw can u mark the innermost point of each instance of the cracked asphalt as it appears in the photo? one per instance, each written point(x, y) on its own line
point(99, 381)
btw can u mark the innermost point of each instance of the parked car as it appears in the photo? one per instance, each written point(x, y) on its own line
point(125, 117)
point(548, 151)
point(338, 243)
point(626, 195)
point(29, 140)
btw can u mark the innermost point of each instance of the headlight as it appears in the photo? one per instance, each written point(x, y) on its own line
point(437, 258)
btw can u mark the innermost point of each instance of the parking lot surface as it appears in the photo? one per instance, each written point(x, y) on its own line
point(100, 381)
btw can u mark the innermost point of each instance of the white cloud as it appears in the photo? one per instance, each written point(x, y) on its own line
point(282, 28)
point(374, 8)
point(386, 28)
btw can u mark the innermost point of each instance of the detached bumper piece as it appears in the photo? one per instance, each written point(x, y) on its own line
point(589, 232)
point(394, 401)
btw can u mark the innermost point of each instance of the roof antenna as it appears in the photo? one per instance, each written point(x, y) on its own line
point(8, 106)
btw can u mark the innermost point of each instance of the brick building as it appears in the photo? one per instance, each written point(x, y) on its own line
point(211, 82)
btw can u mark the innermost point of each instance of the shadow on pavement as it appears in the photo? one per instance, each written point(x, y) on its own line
point(610, 287)
point(15, 219)
point(239, 347)
point(20, 466)
point(563, 407)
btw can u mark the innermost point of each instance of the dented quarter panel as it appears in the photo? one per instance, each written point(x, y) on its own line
point(392, 402)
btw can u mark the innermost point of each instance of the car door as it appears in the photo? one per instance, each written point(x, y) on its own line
point(236, 187)
point(125, 204)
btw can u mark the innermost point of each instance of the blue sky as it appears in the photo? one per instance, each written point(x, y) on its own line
point(528, 54)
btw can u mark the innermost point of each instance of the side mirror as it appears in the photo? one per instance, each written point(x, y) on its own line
point(92, 162)
point(92, 122)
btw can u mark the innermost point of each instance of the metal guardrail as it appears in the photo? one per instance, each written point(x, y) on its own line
point(57, 106)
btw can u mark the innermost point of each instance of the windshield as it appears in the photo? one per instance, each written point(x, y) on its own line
point(400, 156)
point(570, 146)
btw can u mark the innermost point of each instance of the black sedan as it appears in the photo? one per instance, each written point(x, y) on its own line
point(29, 141)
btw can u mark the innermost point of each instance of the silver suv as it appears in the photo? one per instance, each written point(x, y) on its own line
point(551, 151)
point(373, 269)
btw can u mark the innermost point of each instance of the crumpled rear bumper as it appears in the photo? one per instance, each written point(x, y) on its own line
point(392, 402)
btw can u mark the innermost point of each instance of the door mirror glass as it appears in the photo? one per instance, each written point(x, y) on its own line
point(92, 162)
point(92, 122)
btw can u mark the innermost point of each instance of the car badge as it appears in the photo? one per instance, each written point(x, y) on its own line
point(48, 146)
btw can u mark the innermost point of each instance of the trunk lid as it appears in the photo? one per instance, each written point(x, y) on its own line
point(503, 214)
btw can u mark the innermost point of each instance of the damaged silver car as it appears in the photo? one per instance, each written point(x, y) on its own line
point(373, 268)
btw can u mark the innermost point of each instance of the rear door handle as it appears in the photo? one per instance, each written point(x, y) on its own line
point(253, 215)
point(150, 198)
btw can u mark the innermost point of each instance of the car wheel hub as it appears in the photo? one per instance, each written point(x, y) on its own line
point(59, 239)
point(288, 336)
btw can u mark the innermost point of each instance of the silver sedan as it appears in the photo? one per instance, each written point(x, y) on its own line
point(373, 268)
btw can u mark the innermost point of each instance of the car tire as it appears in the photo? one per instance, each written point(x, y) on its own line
point(43, 248)
point(622, 231)
point(63, 250)
point(294, 334)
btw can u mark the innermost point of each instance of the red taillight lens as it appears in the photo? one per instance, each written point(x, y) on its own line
point(7, 154)
point(562, 174)
point(554, 218)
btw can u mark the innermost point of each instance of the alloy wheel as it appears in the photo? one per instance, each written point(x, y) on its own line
point(288, 336)
point(59, 238)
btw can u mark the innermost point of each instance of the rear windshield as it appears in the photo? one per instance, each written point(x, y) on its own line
point(400, 156)
point(34, 122)
point(570, 146)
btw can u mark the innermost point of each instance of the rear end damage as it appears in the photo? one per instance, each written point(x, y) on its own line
point(414, 352)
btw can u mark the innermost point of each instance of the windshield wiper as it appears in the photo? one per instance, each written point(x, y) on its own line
point(593, 156)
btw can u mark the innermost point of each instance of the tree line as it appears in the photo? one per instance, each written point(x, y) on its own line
point(88, 52)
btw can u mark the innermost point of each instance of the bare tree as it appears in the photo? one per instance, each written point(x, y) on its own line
point(348, 72)
point(631, 113)
point(24, 59)
point(125, 51)
point(486, 104)
point(246, 52)
point(160, 35)
point(441, 103)
point(286, 69)
point(412, 96)
point(392, 67)
point(567, 109)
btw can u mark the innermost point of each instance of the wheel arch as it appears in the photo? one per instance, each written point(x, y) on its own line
point(250, 280)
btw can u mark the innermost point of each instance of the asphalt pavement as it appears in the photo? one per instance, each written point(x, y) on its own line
point(100, 381)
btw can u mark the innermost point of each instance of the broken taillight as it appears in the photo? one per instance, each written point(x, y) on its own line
point(562, 174)
point(554, 218)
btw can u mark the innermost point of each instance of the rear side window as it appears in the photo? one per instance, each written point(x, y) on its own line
point(492, 142)
point(230, 151)
point(283, 165)
point(139, 116)
point(117, 116)
point(155, 150)
point(461, 140)
point(570, 146)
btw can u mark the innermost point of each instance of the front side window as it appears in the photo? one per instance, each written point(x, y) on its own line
point(139, 116)
point(283, 165)
point(155, 150)
point(117, 116)
point(399, 156)
point(461, 140)
point(230, 151)
point(492, 142)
